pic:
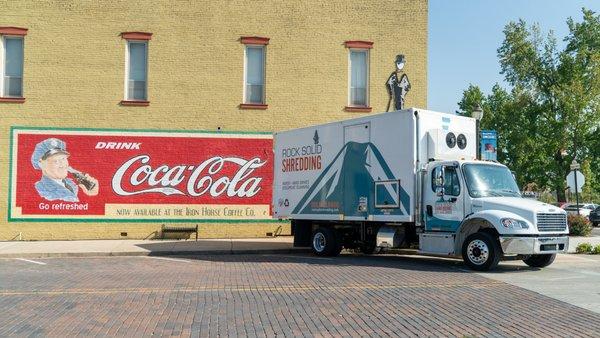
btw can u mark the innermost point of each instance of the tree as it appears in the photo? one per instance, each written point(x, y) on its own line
point(518, 140)
point(588, 191)
point(552, 113)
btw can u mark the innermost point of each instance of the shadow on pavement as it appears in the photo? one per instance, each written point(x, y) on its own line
point(344, 260)
point(224, 251)
point(217, 247)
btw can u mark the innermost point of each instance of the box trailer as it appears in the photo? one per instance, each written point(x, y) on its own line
point(408, 178)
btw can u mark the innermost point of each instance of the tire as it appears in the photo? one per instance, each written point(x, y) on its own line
point(595, 224)
point(325, 243)
point(539, 261)
point(481, 251)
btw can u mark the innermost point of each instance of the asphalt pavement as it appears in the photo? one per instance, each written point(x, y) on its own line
point(198, 288)
point(285, 295)
point(574, 279)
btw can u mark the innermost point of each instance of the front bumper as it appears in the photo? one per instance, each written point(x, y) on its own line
point(534, 245)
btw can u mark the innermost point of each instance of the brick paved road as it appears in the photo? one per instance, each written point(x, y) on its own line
point(273, 295)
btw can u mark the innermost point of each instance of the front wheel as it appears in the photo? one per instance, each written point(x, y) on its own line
point(325, 243)
point(539, 261)
point(481, 251)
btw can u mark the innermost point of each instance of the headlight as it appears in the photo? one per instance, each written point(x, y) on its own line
point(511, 223)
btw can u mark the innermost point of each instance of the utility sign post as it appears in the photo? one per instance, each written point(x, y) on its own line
point(489, 143)
point(575, 181)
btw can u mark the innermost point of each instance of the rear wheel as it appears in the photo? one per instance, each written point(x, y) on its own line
point(540, 261)
point(481, 251)
point(325, 243)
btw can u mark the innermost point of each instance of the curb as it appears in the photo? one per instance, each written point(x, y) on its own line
point(153, 253)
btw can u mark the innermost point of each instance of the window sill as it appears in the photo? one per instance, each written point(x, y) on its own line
point(12, 99)
point(253, 106)
point(135, 103)
point(356, 109)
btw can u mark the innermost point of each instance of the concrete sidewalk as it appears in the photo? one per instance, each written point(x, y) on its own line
point(88, 248)
point(575, 241)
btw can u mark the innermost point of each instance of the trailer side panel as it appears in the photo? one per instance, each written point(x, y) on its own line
point(361, 169)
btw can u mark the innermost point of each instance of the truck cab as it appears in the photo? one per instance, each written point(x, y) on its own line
point(474, 209)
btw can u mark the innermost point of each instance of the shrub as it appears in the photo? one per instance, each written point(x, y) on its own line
point(579, 225)
point(584, 248)
point(596, 250)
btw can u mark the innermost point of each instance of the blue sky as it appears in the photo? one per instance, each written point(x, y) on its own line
point(465, 34)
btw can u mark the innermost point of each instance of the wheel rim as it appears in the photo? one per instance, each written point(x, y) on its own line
point(319, 242)
point(478, 252)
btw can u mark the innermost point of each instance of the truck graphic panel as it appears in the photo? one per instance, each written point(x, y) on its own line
point(350, 172)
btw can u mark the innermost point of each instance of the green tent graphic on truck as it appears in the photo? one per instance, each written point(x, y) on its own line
point(355, 168)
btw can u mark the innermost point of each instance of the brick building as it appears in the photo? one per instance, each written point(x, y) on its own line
point(202, 73)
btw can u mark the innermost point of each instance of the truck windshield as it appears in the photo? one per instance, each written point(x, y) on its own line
point(484, 180)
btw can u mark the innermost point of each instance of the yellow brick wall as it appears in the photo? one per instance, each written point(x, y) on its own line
point(75, 63)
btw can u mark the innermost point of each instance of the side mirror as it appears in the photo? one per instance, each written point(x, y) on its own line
point(439, 177)
point(439, 181)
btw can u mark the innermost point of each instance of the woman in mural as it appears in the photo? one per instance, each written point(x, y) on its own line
point(51, 157)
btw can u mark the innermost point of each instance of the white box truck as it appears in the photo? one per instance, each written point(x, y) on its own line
point(408, 178)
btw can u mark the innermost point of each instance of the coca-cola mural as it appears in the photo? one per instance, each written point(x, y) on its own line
point(139, 175)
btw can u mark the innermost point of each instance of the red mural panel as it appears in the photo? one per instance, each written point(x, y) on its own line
point(133, 175)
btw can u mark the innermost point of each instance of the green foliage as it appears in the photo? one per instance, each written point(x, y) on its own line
point(587, 248)
point(579, 225)
point(471, 97)
point(590, 191)
point(547, 198)
point(551, 115)
point(584, 248)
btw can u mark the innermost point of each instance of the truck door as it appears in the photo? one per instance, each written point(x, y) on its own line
point(444, 205)
point(356, 171)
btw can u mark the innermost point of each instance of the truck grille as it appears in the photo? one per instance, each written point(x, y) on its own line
point(551, 222)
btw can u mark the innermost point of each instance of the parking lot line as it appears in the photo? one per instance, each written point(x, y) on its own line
point(30, 261)
point(300, 257)
point(169, 259)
